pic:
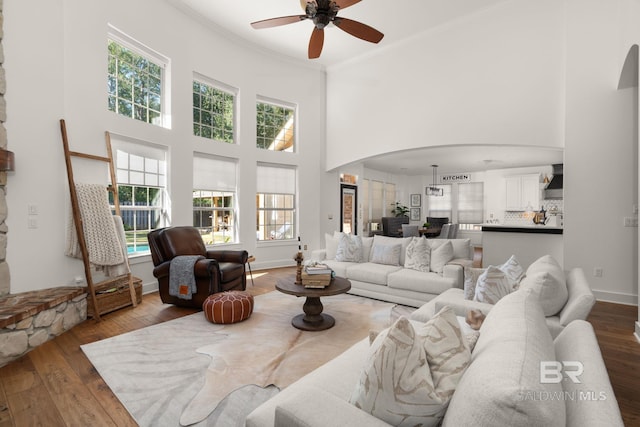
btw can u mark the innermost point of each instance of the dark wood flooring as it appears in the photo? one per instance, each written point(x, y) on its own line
point(56, 385)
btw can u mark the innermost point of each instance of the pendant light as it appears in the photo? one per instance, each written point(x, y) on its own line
point(433, 190)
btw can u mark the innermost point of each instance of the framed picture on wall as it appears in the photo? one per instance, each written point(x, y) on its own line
point(414, 214)
point(416, 200)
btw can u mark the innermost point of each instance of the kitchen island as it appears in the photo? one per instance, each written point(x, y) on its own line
point(527, 243)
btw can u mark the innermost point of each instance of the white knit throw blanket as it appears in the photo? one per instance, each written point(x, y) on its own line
point(100, 234)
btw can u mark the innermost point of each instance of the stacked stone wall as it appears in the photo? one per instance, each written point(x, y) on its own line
point(19, 338)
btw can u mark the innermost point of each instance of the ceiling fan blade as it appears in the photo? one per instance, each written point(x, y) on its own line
point(315, 43)
point(343, 4)
point(359, 30)
point(276, 22)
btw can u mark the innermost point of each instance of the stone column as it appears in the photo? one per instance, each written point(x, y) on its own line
point(5, 280)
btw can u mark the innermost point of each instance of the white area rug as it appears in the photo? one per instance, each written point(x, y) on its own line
point(189, 371)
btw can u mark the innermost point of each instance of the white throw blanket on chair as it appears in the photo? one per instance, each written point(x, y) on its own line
point(104, 243)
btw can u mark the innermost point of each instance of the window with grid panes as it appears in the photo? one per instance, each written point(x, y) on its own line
point(275, 126)
point(214, 111)
point(440, 206)
point(470, 210)
point(135, 80)
point(214, 199)
point(275, 203)
point(141, 174)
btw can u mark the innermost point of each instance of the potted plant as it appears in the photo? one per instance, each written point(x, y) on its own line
point(400, 210)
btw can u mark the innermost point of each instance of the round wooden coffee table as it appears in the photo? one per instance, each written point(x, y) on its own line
point(313, 318)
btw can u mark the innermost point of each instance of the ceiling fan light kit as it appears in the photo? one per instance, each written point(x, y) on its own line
point(323, 13)
point(432, 190)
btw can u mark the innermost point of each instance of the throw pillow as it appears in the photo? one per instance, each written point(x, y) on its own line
point(331, 244)
point(472, 339)
point(349, 248)
point(367, 243)
point(492, 285)
point(417, 255)
point(409, 376)
point(547, 279)
point(440, 256)
point(471, 275)
point(386, 254)
point(513, 270)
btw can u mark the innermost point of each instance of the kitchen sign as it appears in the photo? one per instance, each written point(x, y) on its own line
point(455, 177)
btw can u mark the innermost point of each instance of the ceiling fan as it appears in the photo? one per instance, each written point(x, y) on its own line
point(322, 13)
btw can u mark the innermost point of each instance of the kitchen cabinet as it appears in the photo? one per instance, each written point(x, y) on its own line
point(522, 191)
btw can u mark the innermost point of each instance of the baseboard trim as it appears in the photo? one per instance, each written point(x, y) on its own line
point(616, 297)
point(637, 333)
point(147, 288)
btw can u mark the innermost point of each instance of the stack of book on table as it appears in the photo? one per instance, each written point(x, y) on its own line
point(316, 276)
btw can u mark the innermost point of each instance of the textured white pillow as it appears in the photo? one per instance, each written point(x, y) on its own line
point(547, 279)
point(410, 376)
point(386, 254)
point(417, 255)
point(492, 285)
point(513, 270)
point(349, 248)
point(440, 256)
point(331, 244)
point(471, 276)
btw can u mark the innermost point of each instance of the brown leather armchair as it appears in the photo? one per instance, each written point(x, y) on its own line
point(220, 270)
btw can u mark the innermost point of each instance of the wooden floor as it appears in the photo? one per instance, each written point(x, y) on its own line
point(56, 385)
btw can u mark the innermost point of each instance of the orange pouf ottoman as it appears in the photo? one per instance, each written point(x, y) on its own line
point(228, 307)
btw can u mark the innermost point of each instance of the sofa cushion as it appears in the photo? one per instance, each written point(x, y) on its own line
point(367, 244)
point(349, 248)
point(338, 267)
point(331, 244)
point(502, 386)
point(440, 256)
point(547, 279)
point(371, 272)
point(492, 285)
point(417, 254)
point(461, 247)
point(431, 283)
point(410, 375)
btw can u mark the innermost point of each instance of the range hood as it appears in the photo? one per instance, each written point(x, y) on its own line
point(554, 189)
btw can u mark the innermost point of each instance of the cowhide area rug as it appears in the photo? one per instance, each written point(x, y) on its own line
point(188, 371)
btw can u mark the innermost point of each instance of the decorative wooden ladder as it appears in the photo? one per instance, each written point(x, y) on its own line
point(101, 294)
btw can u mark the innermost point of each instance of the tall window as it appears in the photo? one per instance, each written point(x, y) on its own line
point(377, 201)
point(440, 206)
point(135, 79)
point(275, 126)
point(141, 173)
point(276, 202)
point(214, 199)
point(213, 110)
point(470, 205)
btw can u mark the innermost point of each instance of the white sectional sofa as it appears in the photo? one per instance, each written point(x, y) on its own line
point(392, 281)
point(501, 386)
point(575, 304)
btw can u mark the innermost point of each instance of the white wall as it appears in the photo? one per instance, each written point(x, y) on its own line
point(55, 60)
point(601, 141)
point(495, 77)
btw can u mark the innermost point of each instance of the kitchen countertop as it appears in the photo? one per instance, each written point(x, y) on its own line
point(515, 228)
